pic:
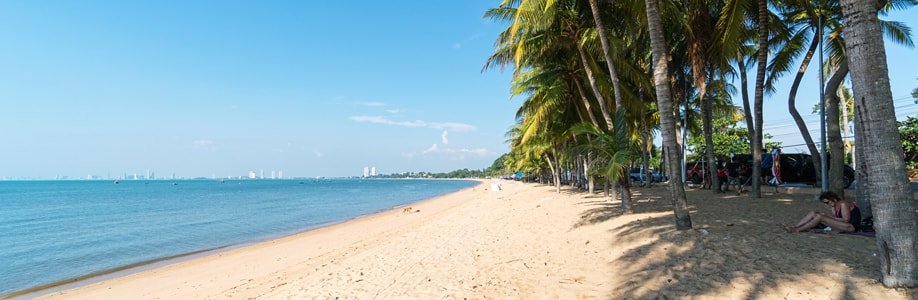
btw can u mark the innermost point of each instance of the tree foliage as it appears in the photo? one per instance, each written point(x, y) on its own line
point(728, 139)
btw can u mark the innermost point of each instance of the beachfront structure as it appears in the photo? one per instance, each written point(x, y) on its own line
point(251, 174)
point(366, 171)
point(372, 171)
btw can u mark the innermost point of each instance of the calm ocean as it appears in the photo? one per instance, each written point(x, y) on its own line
point(55, 230)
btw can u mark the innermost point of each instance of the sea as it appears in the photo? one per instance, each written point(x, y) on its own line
point(52, 231)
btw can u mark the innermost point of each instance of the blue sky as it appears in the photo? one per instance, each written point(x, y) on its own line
point(218, 88)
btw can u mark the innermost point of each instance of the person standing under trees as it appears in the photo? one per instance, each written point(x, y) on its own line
point(733, 173)
point(722, 184)
point(745, 174)
point(766, 166)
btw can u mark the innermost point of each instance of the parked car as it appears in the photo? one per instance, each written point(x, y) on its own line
point(637, 175)
point(797, 167)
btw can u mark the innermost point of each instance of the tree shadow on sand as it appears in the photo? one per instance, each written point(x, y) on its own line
point(735, 250)
point(600, 211)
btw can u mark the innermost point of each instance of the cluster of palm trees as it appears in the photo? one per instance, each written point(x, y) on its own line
point(599, 78)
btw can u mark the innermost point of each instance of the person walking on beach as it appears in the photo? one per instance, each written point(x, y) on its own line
point(846, 217)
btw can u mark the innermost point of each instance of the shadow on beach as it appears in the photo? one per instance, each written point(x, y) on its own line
point(735, 249)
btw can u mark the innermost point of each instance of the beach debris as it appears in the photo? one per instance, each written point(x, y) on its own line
point(703, 232)
point(407, 210)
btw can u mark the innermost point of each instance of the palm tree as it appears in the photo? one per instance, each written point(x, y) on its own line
point(803, 19)
point(733, 27)
point(615, 156)
point(667, 117)
point(888, 187)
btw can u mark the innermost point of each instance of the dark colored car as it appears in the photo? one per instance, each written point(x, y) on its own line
point(638, 176)
point(797, 167)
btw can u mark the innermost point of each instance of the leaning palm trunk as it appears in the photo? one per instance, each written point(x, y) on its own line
point(594, 86)
point(555, 171)
point(604, 40)
point(667, 116)
point(890, 194)
point(585, 101)
point(747, 109)
point(761, 65)
point(833, 131)
point(792, 107)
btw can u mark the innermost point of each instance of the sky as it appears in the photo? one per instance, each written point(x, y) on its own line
point(317, 88)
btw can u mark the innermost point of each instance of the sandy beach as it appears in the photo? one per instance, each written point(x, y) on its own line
point(526, 241)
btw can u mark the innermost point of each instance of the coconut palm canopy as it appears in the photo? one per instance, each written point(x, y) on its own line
point(599, 80)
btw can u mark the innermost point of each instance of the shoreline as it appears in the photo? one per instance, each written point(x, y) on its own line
point(528, 241)
point(162, 262)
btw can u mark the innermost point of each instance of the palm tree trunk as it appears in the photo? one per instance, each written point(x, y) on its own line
point(645, 152)
point(792, 107)
point(591, 184)
point(708, 131)
point(833, 131)
point(761, 64)
point(625, 184)
point(604, 40)
point(555, 172)
point(861, 194)
point(586, 102)
point(667, 117)
point(747, 108)
point(594, 86)
point(890, 194)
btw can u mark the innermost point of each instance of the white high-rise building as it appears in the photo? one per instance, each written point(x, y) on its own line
point(262, 174)
point(372, 171)
point(251, 174)
point(280, 174)
point(273, 174)
point(366, 171)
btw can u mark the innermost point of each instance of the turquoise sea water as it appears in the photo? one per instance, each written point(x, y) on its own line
point(55, 230)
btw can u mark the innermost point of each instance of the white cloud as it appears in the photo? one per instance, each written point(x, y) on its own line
point(476, 151)
point(432, 148)
point(461, 153)
point(203, 143)
point(461, 127)
point(393, 111)
point(445, 137)
point(372, 104)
